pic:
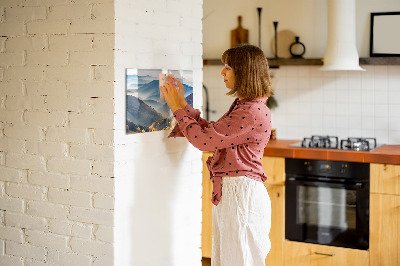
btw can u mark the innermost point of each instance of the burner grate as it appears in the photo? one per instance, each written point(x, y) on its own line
point(332, 142)
point(327, 142)
point(358, 144)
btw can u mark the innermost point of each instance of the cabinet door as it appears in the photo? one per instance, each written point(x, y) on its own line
point(385, 178)
point(277, 233)
point(274, 168)
point(206, 226)
point(384, 230)
point(304, 254)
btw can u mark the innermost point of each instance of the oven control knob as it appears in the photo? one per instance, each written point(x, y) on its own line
point(308, 166)
point(343, 168)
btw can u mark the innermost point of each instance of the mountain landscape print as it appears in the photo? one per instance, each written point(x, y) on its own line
point(145, 112)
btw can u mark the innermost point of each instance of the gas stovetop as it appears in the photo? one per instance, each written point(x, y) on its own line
point(332, 142)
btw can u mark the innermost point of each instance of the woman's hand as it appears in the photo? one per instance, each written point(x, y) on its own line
point(181, 89)
point(174, 92)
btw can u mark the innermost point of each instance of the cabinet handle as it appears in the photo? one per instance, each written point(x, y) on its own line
point(324, 254)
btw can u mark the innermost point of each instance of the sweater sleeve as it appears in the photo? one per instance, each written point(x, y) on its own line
point(193, 113)
point(229, 131)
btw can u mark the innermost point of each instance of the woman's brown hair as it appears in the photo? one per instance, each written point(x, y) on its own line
point(250, 66)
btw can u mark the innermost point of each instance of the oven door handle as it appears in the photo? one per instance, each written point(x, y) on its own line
point(357, 185)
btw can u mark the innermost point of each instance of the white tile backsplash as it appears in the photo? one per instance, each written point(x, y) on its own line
point(345, 103)
point(382, 110)
point(380, 71)
point(394, 97)
point(367, 110)
point(329, 109)
point(367, 96)
point(394, 110)
point(394, 124)
point(394, 82)
point(382, 136)
point(381, 83)
point(381, 97)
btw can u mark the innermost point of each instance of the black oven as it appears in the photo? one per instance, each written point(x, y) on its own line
point(327, 202)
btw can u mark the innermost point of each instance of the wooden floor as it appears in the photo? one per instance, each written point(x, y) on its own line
point(206, 261)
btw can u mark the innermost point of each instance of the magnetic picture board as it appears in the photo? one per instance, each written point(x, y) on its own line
point(146, 110)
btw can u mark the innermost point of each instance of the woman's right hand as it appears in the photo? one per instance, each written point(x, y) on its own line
point(181, 91)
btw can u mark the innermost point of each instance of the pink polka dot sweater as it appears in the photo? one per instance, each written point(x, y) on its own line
point(238, 139)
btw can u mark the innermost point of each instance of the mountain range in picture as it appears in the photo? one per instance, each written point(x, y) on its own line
point(144, 110)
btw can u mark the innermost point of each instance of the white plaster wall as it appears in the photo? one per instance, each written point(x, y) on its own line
point(344, 103)
point(56, 132)
point(305, 18)
point(158, 180)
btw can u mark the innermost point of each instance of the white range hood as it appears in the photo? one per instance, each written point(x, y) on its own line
point(341, 51)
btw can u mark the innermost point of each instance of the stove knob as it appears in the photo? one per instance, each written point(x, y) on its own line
point(308, 166)
point(343, 168)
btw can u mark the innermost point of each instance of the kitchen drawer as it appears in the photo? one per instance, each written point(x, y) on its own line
point(305, 254)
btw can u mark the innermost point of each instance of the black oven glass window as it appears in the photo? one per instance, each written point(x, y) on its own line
point(327, 202)
point(327, 207)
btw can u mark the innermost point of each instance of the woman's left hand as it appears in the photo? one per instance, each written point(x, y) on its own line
point(171, 95)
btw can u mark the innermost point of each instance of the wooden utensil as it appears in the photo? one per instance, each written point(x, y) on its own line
point(239, 35)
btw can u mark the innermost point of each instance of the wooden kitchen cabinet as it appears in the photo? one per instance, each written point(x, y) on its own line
point(277, 233)
point(385, 178)
point(206, 225)
point(305, 254)
point(274, 168)
point(384, 237)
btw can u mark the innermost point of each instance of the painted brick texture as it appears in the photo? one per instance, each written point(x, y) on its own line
point(158, 180)
point(56, 132)
point(62, 135)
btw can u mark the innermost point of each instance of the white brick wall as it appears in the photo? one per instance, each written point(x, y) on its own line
point(56, 132)
point(62, 66)
point(156, 177)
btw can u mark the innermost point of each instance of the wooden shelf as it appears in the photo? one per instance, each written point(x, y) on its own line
point(274, 63)
point(380, 61)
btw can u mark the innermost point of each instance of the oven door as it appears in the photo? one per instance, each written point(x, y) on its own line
point(327, 213)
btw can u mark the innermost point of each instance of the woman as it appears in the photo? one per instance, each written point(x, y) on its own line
point(242, 208)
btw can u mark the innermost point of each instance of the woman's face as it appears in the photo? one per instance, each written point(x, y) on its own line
point(229, 76)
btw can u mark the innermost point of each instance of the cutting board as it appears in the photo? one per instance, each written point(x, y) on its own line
point(239, 35)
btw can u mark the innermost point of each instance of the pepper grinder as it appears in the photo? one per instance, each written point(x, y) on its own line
point(276, 38)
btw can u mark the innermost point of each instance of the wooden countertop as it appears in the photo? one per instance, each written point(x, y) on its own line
point(389, 154)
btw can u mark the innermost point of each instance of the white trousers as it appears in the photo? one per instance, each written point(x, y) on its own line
point(241, 223)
